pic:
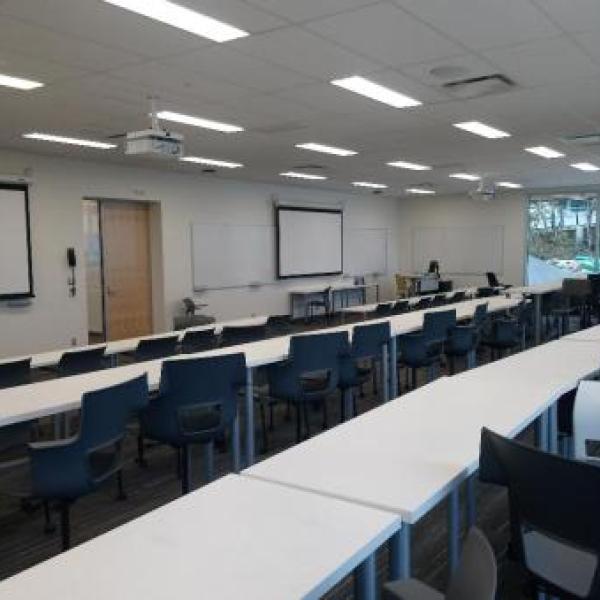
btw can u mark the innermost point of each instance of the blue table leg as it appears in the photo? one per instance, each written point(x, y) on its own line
point(541, 432)
point(249, 417)
point(385, 380)
point(400, 559)
point(472, 359)
point(348, 405)
point(393, 368)
point(471, 501)
point(453, 529)
point(365, 580)
point(209, 460)
point(553, 428)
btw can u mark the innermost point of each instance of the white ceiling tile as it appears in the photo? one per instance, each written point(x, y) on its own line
point(387, 34)
point(35, 68)
point(237, 13)
point(104, 24)
point(484, 23)
point(35, 41)
point(305, 53)
point(574, 15)
point(222, 63)
point(591, 44)
point(304, 10)
point(543, 62)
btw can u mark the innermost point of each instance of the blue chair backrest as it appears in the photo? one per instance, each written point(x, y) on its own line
point(458, 297)
point(153, 348)
point(480, 314)
point(105, 412)
point(401, 307)
point(384, 309)
point(437, 325)
point(423, 303)
point(279, 325)
point(16, 372)
point(232, 336)
point(367, 340)
point(75, 362)
point(198, 340)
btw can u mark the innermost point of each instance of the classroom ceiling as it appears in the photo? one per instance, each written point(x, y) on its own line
point(99, 64)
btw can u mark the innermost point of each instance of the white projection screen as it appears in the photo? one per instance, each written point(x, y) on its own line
point(309, 242)
point(16, 279)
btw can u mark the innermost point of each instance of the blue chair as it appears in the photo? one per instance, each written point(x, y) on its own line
point(423, 303)
point(278, 325)
point(76, 362)
point(321, 302)
point(401, 307)
point(383, 310)
point(154, 348)
point(197, 404)
point(425, 348)
point(439, 300)
point(505, 334)
point(458, 297)
point(198, 340)
point(367, 345)
point(486, 292)
point(310, 374)
point(15, 372)
point(234, 335)
point(464, 339)
point(63, 471)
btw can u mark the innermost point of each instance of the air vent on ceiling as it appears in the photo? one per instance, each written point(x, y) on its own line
point(586, 139)
point(309, 167)
point(475, 87)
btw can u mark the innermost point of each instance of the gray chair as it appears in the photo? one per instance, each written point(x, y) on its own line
point(474, 579)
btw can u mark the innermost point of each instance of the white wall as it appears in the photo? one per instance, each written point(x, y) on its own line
point(54, 320)
point(507, 211)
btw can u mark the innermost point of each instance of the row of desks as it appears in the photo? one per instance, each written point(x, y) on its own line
point(296, 524)
point(61, 395)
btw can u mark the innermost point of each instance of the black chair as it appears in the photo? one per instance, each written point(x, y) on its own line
point(486, 292)
point(502, 336)
point(197, 404)
point(309, 375)
point(154, 348)
point(401, 307)
point(475, 578)
point(555, 530)
point(15, 372)
point(439, 300)
point(320, 303)
point(76, 362)
point(594, 279)
point(464, 339)
point(384, 309)
point(278, 325)
point(234, 335)
point(357, 366)
point(492, 280)
point(423, 303)
point(62, 471)
point(198, 340)
point(574, 299)
point(458, 297)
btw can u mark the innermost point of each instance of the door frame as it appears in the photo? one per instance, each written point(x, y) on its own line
point(156, 257)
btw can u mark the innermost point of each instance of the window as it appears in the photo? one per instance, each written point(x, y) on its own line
point(563, 236)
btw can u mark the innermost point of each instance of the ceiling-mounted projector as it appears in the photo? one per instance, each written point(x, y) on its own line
point(156, 142)
point(486, 191)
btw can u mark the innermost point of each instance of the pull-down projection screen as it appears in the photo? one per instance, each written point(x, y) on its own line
point(16, 279)
point(309, 242)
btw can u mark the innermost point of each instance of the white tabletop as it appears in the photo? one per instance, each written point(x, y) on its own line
point(236, 538)
point(407, 455)
point(585, 335)
point(51, 358)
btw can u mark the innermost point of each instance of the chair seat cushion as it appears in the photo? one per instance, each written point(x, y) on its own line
point(199, 419)
point(315, 383)
point(561, 564)
point(411, 589)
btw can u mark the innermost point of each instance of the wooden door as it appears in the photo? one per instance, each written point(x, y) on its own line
point(127, 269)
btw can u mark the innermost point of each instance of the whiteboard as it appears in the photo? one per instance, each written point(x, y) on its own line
point(460, 250)
point(15, 246)
point(366, 251)
point(309, 241)
point(226, 255)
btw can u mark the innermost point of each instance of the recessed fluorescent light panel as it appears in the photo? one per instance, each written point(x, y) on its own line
point(478, 128)
point(18, 83)
point(326, 149)
point(465, 176)
point(59, 139)
point(370, 89)
point(211, 162)
point(368, 184)
point(296, 175)
point(509, 185)
point(400, 164)
point(585, 166)
point(420, 191)
point(167, 115)
point(182, 18)
point(544, 152)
